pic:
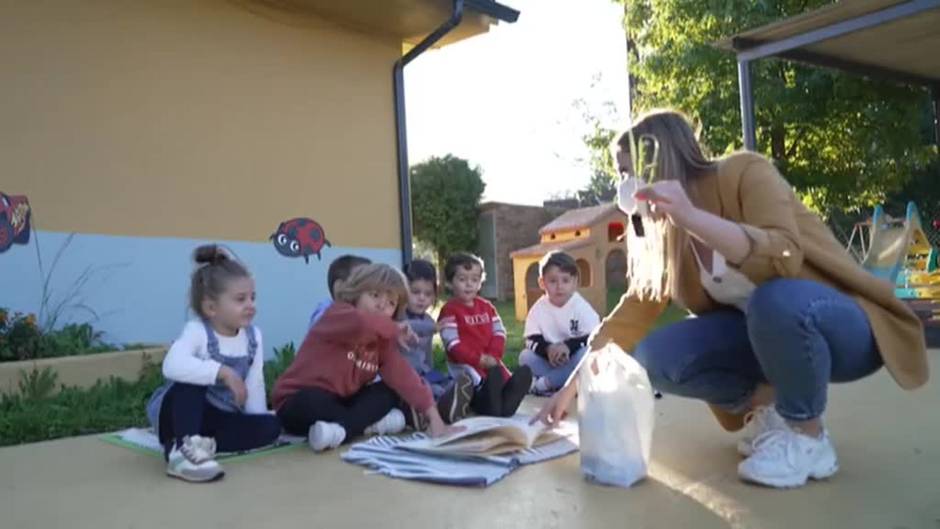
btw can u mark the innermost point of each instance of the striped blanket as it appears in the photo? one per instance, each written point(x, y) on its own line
point(385, 455)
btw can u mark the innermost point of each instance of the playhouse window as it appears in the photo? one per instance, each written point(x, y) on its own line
point(584, 272)
point(577, 233)
point(614, 231)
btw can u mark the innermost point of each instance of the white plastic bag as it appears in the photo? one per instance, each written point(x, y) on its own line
point(615, 417)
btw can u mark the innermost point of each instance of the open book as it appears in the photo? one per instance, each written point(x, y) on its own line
point(486, 436)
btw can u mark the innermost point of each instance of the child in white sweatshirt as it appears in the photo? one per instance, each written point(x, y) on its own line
point(214, 395)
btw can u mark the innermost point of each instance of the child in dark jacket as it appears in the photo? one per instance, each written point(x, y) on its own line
point(454, 394)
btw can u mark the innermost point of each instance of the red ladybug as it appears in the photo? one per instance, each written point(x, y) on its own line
point(300, 237)
point(14, 221)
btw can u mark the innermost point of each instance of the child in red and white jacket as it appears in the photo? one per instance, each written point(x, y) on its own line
point(326, 393)
point(475, 339)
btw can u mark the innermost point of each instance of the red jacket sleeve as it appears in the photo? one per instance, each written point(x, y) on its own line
point(343, 323)
point(497, 346)
point(402, 378)
point(457, 352)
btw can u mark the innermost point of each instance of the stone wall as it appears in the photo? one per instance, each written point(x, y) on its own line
point(513, 227)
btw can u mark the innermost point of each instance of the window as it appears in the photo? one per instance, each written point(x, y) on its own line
point(584, 272)
point(614, 231)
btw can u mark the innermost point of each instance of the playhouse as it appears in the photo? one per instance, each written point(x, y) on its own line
point(593, 236)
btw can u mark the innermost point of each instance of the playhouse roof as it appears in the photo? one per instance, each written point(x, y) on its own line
point(578, 218)
point(545, 247)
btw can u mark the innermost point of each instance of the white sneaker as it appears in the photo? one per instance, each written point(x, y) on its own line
point(194, 460)
point(323, 435)
point(785, 459)
point(761, 419)
point(540, 387)
point(393, 422)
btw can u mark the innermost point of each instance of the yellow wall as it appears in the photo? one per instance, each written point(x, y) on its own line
point(198, 119)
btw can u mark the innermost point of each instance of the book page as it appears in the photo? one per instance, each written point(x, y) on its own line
point(486, 436)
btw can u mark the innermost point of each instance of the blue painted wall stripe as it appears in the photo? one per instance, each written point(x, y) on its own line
point(138, 285)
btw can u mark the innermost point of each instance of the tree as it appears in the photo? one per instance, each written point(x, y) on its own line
point(446, 192)
point(843, 141)
point(600, 162)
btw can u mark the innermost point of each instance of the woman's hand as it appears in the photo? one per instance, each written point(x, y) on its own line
point(233, 382)
point(667, 197)
point(557, 407)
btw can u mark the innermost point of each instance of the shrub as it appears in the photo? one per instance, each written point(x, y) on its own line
point(22, 339)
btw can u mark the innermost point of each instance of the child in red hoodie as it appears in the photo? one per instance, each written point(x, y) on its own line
point(475, 339)
point(325, 393)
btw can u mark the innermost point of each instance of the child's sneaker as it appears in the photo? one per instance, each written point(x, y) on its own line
point(541, 387)
point(761, 419)
point(454, 404)
point(393, 422)
point(325, 435)
point(194, 460)
point(784, 458)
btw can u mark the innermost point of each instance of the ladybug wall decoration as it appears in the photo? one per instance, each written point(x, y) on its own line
point(300, 237)
point(14, 221)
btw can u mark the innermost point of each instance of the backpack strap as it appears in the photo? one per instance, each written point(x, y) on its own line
point(252, 344)
point(212, 343)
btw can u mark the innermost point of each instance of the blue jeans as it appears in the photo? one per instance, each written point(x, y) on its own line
point(797, 335)
point(557, 376)
point(438, 382)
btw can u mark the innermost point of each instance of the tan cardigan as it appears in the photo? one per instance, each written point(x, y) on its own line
point(787, 240)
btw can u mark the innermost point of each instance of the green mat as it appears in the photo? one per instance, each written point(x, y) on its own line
point(283, 445)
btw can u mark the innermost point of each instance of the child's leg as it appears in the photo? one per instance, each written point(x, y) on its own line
point(181, 414)
point(240, 432)
point(540, 366)
point(557, 376)
point(515, 390)
point(367, 407)
point(354, 414)
point(488, 397)
point(307, 406)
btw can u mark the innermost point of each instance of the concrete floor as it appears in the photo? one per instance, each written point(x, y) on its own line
point(888, 442)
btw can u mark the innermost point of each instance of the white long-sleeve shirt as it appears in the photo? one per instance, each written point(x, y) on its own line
point(188, 361)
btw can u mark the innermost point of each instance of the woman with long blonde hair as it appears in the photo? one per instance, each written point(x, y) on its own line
point(782, 310)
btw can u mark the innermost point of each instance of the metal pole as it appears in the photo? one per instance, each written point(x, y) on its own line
point(747, 105)
point(404, 179)
point(401, 129)
point(935, 92)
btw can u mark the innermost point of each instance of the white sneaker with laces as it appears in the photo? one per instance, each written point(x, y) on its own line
point(761, 419)
point(784, 458)
point(194, 460)
point(393, 422)
point(323, 435)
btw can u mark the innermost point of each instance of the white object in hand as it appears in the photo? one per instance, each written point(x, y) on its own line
point(625, 200)
point(615, 417)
